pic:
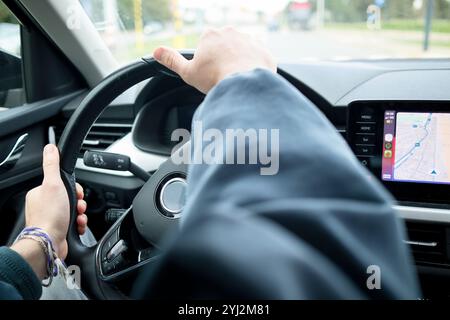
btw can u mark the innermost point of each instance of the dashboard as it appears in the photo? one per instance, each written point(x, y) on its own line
point(395, 116)
point(358, 97)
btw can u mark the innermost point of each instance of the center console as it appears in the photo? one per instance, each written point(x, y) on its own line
point(406, 145)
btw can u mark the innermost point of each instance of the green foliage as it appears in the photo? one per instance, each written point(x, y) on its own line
point(399, 9)
point(348, 10)
point(439, 26)
point(6, 15)
point(152, 10)
point(355, 10)
point(442, 10)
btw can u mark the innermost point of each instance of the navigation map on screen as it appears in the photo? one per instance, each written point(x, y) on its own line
point(416, 147)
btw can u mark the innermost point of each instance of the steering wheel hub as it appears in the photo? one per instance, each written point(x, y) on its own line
point(172, 196)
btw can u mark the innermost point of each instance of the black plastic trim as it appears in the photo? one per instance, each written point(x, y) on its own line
point(19, 118)
point(41, 56)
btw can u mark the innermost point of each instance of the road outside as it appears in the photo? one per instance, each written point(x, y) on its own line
point(295, 31)
point(353, 44)
point(329, 43)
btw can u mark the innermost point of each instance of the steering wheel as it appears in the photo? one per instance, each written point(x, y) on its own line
point(109, 261)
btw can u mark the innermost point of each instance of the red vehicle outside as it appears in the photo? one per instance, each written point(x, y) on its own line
point(298, 14)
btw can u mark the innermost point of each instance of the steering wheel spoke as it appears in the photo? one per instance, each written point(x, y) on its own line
point(133, 241)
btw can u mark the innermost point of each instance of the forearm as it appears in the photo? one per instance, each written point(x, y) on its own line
point(310, 220)
point(321, 194)
point(33, 254)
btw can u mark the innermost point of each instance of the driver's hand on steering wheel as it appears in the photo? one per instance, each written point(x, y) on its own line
point(47, 206)
point(220, 53)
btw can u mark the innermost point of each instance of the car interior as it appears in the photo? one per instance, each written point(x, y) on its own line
point(68, 89)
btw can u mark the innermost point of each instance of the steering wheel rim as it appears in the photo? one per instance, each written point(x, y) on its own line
point(98, 99)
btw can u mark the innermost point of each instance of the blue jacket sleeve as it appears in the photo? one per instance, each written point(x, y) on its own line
point(317, 229)
point(17, 279)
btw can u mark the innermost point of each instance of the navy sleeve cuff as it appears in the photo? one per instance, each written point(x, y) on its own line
point(14, 270)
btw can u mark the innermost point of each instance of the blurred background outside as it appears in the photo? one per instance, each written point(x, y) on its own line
point(295, 31)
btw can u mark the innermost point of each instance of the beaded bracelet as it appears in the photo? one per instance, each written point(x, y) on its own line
point(45, 242)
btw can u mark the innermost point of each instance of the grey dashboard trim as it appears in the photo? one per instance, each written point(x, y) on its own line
point(423, 214)
point(332, 80)
point(341, 83)
point(405, 85)
point(117, 125)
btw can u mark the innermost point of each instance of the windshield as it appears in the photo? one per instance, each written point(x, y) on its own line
point(293, 30)
point(9, 31)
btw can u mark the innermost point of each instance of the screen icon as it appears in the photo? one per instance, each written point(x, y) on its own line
point(389, 137)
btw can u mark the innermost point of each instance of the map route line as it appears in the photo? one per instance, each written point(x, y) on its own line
point(410, 153)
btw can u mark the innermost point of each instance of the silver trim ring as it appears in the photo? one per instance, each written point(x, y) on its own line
point(175, 213)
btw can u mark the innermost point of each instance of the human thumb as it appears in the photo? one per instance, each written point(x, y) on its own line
point(171, 59)
point(50, 165)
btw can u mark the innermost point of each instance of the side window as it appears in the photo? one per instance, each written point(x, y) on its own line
point(11, 85)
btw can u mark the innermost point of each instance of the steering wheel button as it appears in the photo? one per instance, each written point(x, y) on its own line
point(109, 243)
point(110, 195)
point(116, 250)
point(108, 267)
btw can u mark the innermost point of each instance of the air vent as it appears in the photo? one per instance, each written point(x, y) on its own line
point(428, 243)
point(101, 135)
